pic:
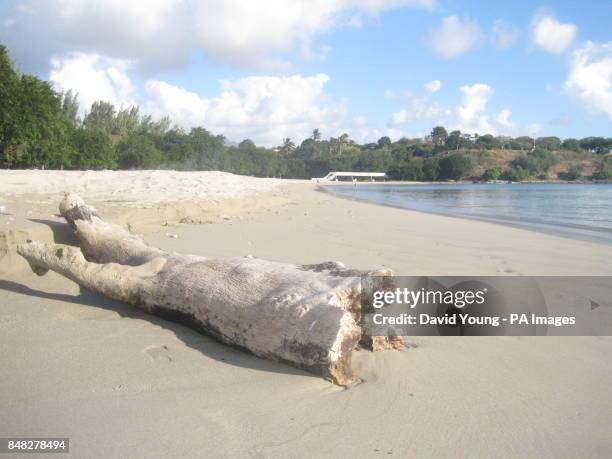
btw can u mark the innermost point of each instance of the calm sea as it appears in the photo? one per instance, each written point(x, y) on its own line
point(576, 210)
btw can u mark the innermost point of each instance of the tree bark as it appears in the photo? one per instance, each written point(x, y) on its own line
point(304, 315)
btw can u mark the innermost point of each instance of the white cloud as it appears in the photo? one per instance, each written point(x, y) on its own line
point(416, 107)
point(503, 119)
point(162, 33)
point(504, 34)
point(360, 121)
point(433, 86)
point(400, 117)
point(453, 37)
point(93, 77)
point(471, 113)
point(419, 109)
point(590, 77)
point(262, 108)
point(551, 35)
point(534, 129)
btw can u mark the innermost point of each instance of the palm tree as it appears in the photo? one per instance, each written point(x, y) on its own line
point(288, 146)
point(342, 141)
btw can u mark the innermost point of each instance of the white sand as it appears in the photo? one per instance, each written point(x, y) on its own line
point(135, 188)
point(121, 383)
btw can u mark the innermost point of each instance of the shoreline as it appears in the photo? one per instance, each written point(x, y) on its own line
point(540, 227)
point(168, 218)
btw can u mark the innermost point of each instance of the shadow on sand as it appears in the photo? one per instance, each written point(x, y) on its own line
point(180, 326)
point(62, 234)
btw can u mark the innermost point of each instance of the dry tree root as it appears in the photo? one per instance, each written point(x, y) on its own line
point(304, 315)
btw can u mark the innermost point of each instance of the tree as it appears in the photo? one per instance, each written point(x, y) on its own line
point(455, 166)
point(177, 148)
point(126, 122)
point(45, 131)
point(138, 151)
point(522, 143)
point(101, 117)
point(384, 142)
point(438, 136)
point(159, 127)
point(337, 146)
point(573, 173)
point(503, 141)
point(316, 135)
point(548, 143)
point(288, 146)
point(11, 135)
point(431, 168)
point(571, 144)
point(493, 173)
point(516, 174)
point(33, 129)
point(488, 142)
point(596, 144)
point(208, 149)
point(536, 162)
point(70, 107)
point(604, 171)
point(93, 150)
point(411, 169)
point(455, 141)
point(247, 144)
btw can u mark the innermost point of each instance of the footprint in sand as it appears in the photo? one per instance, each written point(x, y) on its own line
point(158, 353)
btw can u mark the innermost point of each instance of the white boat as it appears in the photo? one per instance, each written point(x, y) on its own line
point(353, 176)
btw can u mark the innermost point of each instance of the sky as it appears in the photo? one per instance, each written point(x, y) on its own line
point(271, 69)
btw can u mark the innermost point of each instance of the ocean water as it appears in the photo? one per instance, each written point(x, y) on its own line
point(574, 210)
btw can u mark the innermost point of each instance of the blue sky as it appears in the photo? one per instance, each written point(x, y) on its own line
point(339, 65)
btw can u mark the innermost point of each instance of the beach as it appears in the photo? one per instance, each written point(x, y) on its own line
point(122, 383)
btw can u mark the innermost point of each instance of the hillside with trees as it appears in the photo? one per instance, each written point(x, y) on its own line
point(40, 128)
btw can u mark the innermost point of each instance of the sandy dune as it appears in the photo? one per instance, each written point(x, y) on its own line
point(134, 188)
point(121, 383)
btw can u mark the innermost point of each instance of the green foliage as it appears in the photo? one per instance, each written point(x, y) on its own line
point(101, 117)
point(411, 170)
point(456, 140)
point(493, 173)
point(598, 145)
point(94, 150)
point(150, 126)
point(178, 149)
point(43, 131)
point(126, 122)
point(573, 173)
point(384, 142)
point(431, 169)
point(33, 129)
point(605, 169)
point(571, 144)
point(455, 166)
point(548, 143)
point(488, 142)
point(439, 136)
point(70, 107)
point(516, 174)
point(138, 151)
point(522, 143)
point(534, 163)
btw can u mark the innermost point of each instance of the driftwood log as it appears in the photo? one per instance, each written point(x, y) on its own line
point(304, 315)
